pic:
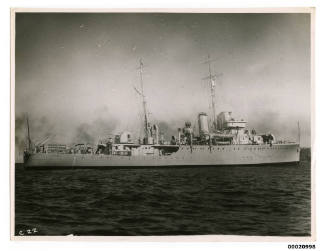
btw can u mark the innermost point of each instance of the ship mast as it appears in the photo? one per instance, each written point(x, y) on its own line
point(212, 79)
point(299, 132)
point(28, 133)
point(143, 100)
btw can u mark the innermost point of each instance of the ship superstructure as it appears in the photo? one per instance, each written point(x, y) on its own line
point(225, 141)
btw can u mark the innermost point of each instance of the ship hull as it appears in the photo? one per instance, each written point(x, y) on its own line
point(199, 155)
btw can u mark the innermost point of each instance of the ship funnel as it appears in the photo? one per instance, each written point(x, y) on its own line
point(203, 123)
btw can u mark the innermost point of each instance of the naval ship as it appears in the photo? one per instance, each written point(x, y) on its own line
point(221, 140)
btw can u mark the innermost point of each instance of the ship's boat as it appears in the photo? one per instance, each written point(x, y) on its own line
point(226, 141)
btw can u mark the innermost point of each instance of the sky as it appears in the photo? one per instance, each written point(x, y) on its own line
point(76, 73)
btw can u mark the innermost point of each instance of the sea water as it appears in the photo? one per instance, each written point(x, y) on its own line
point(270, 200)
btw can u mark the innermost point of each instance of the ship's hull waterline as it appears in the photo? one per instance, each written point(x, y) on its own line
point(199, 155)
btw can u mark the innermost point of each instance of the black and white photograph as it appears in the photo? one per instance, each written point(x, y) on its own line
point(162, 123)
